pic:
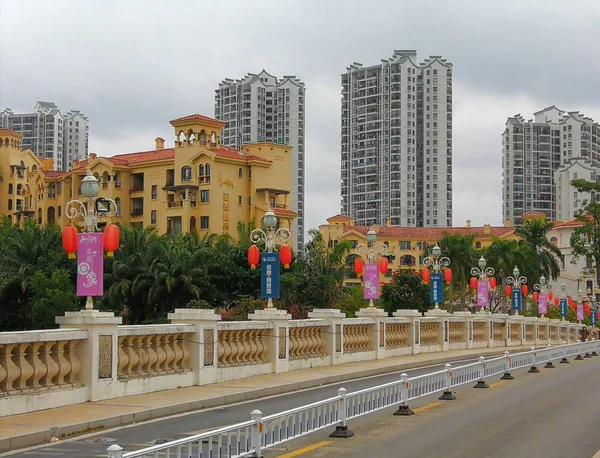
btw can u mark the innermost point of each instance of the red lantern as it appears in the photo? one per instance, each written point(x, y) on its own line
point(359, 266)
point(570, 301)
point(111, 239)
point(285, 254)
point(508, 290)
point(550, 295)
point(556, 302)
point(383, 265)
point(473, 283)
point(448, 275)
point(524, 290)
point(253, 256)
point(70, 241)
point(536, 296)
point(492, 283)
point(426, 275)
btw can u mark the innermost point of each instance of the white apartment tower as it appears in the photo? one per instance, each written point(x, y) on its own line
point(534, 150)
point(264, 108)
point(396, 142)
point(50, 134)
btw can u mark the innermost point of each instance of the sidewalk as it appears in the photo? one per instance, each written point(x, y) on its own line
point(19, 431)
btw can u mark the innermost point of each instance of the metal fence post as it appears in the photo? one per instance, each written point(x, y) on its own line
point(115, 451)
point(578, 358)
point(448, 395)
point(534, 369)
point(256, 434)
point(507, 375)
point(481, 382)
point(342, 431)
point(403, 409)
point(587, 349)
point(549, 364)
point(564, 359)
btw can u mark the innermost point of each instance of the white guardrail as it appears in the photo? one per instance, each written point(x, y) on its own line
point(259, 433)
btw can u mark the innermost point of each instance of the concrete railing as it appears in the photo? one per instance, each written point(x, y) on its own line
point(93, 357)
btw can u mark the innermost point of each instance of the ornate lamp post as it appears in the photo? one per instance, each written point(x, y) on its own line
point(373, 252)
point(515, 283)
point(594, 304)
point(435, 263)
point(89, 244)
point(483, 282)
point(269, 261)
point(580, 300)
point(540, 294)
point(564, 301)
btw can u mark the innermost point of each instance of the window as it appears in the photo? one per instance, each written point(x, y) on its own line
point(249, 201)
point(477, 245)
point(186, 173)
point(10, 204)
point(204, 196)
point(204, 222)
point(154, 191)
point(207, 170)
point(153, 217)
point(240, 201)
point(405, 245)
point(240, 173)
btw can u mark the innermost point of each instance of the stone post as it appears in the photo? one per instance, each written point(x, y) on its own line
point(543, 323)
point(512, 322)
point(415, 333)
point(279, 345)
point(335, 336)
point(205, 350)
point(444, 333)
point(377, 337)
point(99, 353)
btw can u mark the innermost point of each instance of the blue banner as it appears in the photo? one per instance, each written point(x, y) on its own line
point(594, 318)
point(563, 307)
point(437, 288)
point(516, 299)
point(269, 276)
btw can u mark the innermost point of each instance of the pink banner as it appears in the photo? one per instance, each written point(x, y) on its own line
point(90, 265)
point(580, 312)
point(371, 281)
point(543, 304)
point(483, 293)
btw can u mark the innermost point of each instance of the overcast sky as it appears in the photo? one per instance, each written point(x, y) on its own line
point(133, 65)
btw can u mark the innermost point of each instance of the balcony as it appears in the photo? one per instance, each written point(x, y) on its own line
point(136, 190)
point(117, 185)
point(137, 212)
point(175, 204)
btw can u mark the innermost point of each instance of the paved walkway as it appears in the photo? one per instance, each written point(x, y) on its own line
point(35, 428)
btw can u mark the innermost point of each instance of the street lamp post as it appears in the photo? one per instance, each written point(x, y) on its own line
point(580, 299)
point(91, 211)
point(271, 238)
point(372, 251)
point(542, 289)
point(564, 294)
point(436, 262)
point(483, 273)
point(516, 281)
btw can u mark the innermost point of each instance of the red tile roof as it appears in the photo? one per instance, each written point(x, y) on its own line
point(284, 212)
point(10, 132)
point(571, 223)
point(144, 156)
point(429, 233)
point(196, 117)
point(230, 153)
point(338, 216)
point(53, 173)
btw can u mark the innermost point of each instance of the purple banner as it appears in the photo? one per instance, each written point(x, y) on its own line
point(580, 312)
point(90, 265)
point(483, 293)
point(543, 304)
point(371, 281)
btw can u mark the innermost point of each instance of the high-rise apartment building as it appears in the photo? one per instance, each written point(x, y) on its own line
point(533, 150)
point(50, 134)
point(396, 142)
point(264, 108)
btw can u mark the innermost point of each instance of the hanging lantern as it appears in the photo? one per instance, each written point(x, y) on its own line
point(473, 283)
point(447, 275)
point(508, 290)
point(556, 302)
point(524, 290)
point(70, 241)
point(550, 295)
point(492, 283)
point(359, 266)
point(111, 239)
point(570, 301)
point(536, 296)
point(426, 275)
point(285, 255)
point(383, 265)
point(253, 256)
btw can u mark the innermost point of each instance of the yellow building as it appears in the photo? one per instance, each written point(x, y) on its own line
point(405, 245)
point(197, 185)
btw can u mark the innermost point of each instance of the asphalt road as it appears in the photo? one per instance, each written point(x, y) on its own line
point(137, 436)
point(553, 414)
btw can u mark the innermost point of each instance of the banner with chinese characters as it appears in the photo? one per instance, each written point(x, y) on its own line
point(543, 304)
point(595, 317)
point(516, 299)
point(269, 276)
point(371, 281)
point(90, 264)
point(580, 311)
point(563, 307)
point(483, 293)
point(437, 288)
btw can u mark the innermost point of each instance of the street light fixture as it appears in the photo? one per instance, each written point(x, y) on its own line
point(483, 273)
point(436, 262)
point(371, 251)
point(542, 289)
point(516, 281)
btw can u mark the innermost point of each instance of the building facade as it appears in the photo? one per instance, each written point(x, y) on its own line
point(198, 184)
point(569, 201)
point(50, 134)
point(396, 142)
point(264, 108)
point(534, 150)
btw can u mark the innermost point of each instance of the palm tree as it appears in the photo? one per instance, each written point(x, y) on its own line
point(533, 232)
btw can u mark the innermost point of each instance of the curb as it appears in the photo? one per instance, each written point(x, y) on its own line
point(14, 443)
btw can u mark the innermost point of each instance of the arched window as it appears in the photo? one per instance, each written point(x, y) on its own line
point(39, 213)
point(213, 139)
point(207, 170)
point(10, 188)
point(407, 260)
point(186, 173)
point(477, 244)
point(33, 168)
point(52, 190)
point(202, 137)
point(191, 137)
point(201, 170)
point(181, 138)
point(240, 173)
point(553, 240)
point(19, 189)
point(10, 204)
point(51, 215)
point(192, 224)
